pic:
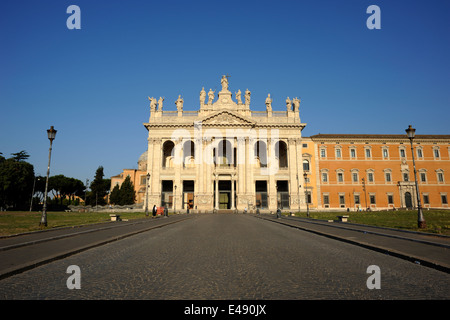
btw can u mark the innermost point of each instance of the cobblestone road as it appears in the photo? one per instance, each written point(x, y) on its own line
point(228, 257)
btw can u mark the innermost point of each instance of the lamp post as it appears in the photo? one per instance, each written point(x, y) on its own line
point(364, 189)
point(32, 192)
point(174, 200)
point(305, 175)
point(51, 136)
point(146, 194)
point(420, 219)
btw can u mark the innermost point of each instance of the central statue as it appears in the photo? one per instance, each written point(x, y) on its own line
point(224, 82)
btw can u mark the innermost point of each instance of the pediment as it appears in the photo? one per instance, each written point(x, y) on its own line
point(226, 117)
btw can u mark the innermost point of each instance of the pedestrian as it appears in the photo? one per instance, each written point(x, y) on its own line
point(154, 210)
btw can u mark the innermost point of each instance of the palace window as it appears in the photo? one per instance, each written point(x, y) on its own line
point(440, 176)
point(390, 198)
point(402, 153)
point(372, 199)
point(305, 165)
point(436, 152)
point(326, 199)
point(338, 153)
point(444, 198)
point(419, 153)
point(353, 153)
point(426, 198)
point(368, 153)
point(323, 153)
point(385, 153)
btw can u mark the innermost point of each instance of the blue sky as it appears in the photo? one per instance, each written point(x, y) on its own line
point(92, 84)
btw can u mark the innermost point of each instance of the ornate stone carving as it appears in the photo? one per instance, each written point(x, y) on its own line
point(160, 104)
point(210, 96)
point(202, 97)
point(268, 103)
point(179, 103)
point(152, 104)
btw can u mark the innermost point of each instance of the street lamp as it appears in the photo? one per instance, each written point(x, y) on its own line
point(364, 189)
point(146, 194)
point(51, 136)
point(420, 219)
point(305, 175)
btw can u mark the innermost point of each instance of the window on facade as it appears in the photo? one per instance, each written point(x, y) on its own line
point(370, 177)
point(324, 177)
point(372, 199)
point(444, 199)
point(390, 199)
point(305, 165)
point(353, 153)
point(436, 153)
point(423, 177)
point(426, 199)
point(367, 153)
point(355, 177)
point(385, 153)
point(419, 153)
point(388, 177)
point(338, 153)
point(440, 176)
point(341, 200)
point(357, 199)
point(326, 199)
point(402, 153)
point(323, 153)
point(405, 176)
point(340, 176)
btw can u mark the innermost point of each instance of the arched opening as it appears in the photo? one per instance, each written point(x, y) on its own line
point(408, 200)
point(224, 154)
point(188, 154)
point(261, 153)
point(168, 151)
point(281, 154)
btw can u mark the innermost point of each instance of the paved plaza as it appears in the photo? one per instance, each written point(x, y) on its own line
point(228, 256)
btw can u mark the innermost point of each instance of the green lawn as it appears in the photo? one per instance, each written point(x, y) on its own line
point(438, 221)
point(13, 222)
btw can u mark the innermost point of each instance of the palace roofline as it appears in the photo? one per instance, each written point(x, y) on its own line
point(379, 136)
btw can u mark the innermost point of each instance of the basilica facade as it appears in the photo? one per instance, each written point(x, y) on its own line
point(226, 157)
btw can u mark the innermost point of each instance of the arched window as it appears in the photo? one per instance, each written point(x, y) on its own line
point(261, 153)
point(168, 150)
point(224, 153)
point(188, 153)
point(305, 165)
point(281, 154)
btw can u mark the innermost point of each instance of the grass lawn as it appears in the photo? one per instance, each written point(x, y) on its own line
point(438, 221)
point(13, 222)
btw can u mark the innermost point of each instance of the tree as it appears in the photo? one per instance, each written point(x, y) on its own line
point(99, 188)
point(16, 181)
point(127, 193)
point(114, 197)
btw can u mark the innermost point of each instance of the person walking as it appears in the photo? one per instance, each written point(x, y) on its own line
point(154, 210)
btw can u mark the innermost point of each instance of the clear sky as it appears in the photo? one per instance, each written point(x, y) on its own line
point(92, 84)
